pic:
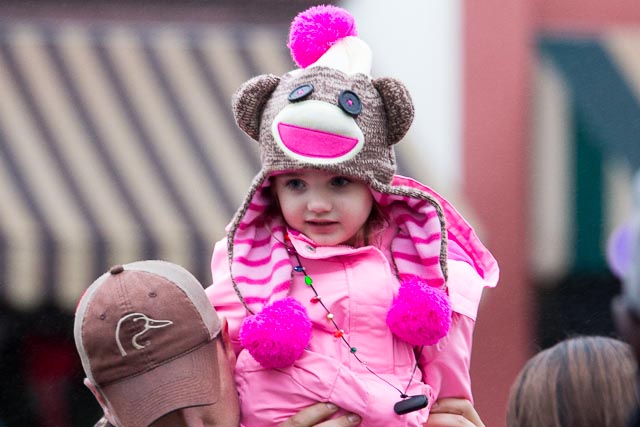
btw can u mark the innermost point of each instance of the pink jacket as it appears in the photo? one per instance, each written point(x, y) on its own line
point(359, 285)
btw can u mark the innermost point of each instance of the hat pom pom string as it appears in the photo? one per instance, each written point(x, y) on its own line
point(315, 30)
point(421, 314)
point(277, 336)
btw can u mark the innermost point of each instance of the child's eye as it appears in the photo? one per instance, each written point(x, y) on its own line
point(294, 184)
point(340, 181)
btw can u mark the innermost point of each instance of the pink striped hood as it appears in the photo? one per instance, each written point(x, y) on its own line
point(260, 264)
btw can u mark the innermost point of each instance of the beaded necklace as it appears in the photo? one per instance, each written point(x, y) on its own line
point(408, 403)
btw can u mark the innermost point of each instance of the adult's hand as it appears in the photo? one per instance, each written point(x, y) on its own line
point(316, 416)
point(450, 412)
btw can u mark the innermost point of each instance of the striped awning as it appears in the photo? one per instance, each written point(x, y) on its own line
point(586, 147)
point(603, 77)
point(116, 144)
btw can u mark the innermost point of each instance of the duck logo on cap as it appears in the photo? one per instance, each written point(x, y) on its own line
point(148, 323)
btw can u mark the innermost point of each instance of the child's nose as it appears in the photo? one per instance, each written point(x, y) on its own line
point(319, 203)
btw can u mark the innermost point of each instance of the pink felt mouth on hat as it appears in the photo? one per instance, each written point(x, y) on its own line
point(314, 143)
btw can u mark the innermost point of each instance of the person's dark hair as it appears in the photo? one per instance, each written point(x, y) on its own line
point(579, 382)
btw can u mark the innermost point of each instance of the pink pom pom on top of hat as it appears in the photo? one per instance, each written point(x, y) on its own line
point(316, 29)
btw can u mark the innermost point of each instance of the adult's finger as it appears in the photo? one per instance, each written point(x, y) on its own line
point(448, 420)
point(454, 410)
point(316, 416)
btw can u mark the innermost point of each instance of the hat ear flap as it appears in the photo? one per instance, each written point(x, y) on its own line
point(248, 102)
point(399, 107)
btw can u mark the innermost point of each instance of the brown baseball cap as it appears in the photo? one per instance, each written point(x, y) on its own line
point(145, 332)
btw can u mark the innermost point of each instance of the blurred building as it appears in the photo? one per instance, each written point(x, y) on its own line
point(550, 141)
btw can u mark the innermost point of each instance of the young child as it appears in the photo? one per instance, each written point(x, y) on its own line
point(341, 281)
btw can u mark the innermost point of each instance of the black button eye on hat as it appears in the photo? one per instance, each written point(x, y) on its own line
point(301, 92)
point(350, 103)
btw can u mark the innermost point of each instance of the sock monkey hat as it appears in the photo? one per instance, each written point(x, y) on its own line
point(331, 115)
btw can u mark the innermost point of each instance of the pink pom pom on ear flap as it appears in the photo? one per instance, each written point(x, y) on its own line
point(421, 314)
point(315, 30)
point(277, 336)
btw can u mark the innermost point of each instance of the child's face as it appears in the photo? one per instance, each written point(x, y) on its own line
point(330, 209)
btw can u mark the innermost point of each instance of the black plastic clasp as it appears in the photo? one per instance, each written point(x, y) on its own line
point(411, 404)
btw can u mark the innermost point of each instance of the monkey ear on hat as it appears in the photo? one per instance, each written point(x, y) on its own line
point(249, 101)
point(398, 105)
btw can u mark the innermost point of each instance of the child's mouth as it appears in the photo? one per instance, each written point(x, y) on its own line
point(321, 223)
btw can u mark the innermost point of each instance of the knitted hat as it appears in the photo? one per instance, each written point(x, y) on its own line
point(328, 115)
point(331, 114)
point(145, 333)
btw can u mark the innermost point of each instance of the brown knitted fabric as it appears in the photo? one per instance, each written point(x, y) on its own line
point(386, 116)
point(249, 101)
point(399, 112)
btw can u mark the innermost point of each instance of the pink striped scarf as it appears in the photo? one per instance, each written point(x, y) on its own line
point(259, 261)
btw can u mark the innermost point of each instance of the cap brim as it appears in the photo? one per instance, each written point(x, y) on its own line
point(189, 380)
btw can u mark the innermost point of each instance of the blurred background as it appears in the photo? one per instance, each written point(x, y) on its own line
point(117, 143)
